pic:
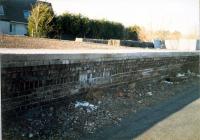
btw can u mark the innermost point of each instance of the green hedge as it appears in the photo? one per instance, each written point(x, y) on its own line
point(72, 26)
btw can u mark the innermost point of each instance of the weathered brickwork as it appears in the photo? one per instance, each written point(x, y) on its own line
point(29, 83)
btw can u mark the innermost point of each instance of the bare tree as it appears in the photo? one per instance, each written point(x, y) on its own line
point(39, 21)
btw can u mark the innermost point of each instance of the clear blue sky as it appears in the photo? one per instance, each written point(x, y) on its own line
point(179, 15)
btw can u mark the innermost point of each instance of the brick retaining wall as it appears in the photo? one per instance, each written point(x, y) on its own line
point(34, 80)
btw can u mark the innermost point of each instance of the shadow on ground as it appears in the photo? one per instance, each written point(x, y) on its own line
point(137, 123)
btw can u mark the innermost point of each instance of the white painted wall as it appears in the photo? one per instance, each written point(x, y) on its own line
point(21, 29)
point(172, 44)
point(17, 28)
point(182, 44)
point(4, 27)
point(188, 44)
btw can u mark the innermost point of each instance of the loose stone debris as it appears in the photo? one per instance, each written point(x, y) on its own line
point(168, 82)
point(79, 116)
point(180, 75)
point(85, 105)
point(149, 93)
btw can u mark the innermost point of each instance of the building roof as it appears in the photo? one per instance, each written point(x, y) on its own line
point(16, 10)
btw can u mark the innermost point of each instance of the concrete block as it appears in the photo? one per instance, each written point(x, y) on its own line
point(114, 42)
point(79, 40)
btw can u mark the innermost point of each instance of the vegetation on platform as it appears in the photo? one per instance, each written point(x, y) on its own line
point(44, 23)
point(40, 20)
